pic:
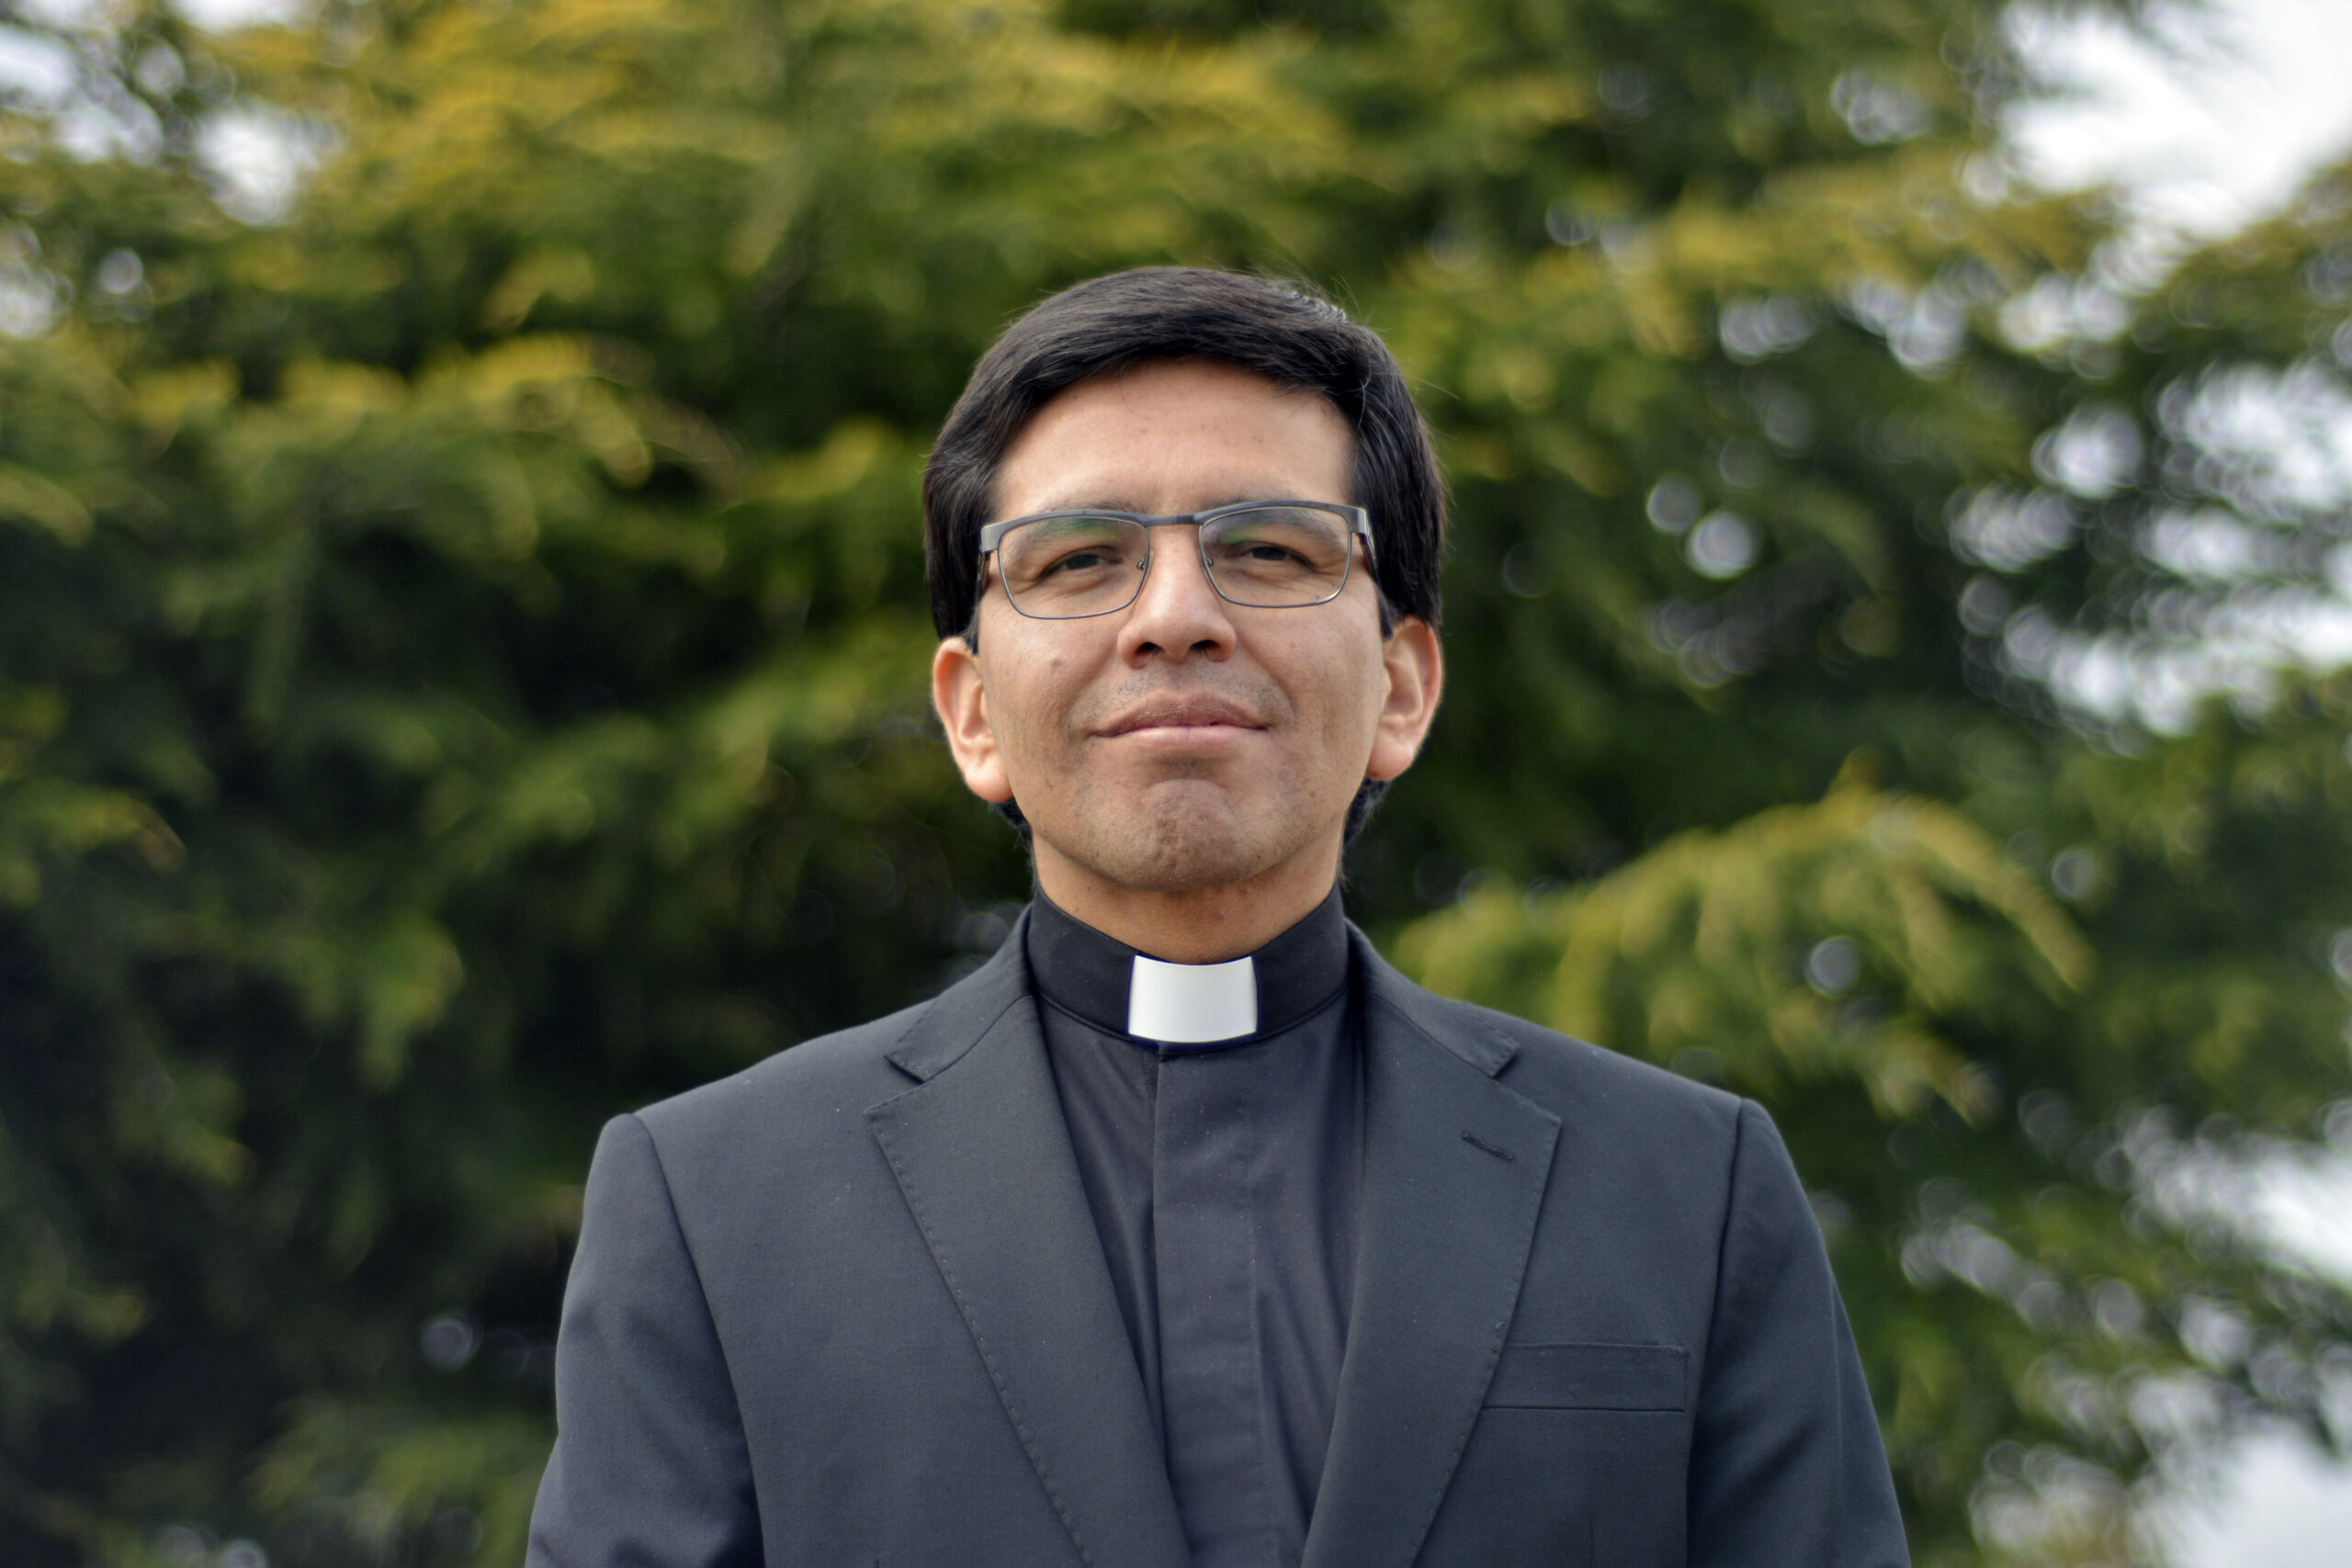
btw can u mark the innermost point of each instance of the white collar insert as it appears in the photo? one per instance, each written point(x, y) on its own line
point(1191, 1004)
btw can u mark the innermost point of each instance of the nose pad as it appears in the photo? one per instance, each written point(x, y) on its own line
point(1162, 562)
point(1177, 607)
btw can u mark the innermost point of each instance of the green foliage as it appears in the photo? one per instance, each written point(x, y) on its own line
point(461, 641)
point(1685, 954)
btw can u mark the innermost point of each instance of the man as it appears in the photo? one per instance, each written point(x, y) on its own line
point(1186, 1231)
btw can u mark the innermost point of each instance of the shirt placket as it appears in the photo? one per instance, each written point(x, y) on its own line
point(1204, 1248)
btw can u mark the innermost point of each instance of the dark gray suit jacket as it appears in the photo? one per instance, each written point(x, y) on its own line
point(848, 1307)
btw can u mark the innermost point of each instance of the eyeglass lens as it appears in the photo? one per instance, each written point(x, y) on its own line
point(1268, 555)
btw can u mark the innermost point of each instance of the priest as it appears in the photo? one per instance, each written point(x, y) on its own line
point(1186, 1231)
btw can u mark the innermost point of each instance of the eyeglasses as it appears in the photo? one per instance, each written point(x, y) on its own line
point(1273, 554)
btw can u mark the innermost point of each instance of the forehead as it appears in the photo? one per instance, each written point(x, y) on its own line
point(1176, 435)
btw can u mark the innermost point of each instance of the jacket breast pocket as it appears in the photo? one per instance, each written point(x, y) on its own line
point(1578, 1461)
point(1591, 1377)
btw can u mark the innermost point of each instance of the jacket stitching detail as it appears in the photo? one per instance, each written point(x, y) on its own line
point(987, 1356)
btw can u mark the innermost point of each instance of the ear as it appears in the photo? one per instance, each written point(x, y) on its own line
point(1414, 667)
point(959, 695)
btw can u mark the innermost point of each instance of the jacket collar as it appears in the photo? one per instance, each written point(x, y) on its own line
point(1446, 1024)
point(960, 1017)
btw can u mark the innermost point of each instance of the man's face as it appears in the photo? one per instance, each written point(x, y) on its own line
point(1183, 743)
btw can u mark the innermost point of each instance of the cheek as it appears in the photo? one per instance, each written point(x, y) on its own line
point(1030, 694)
point(1350, 699)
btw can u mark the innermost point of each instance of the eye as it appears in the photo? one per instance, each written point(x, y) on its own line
point(1068, 548)
point(1093, 559)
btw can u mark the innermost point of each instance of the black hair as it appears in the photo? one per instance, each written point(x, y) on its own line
point(1281, 330)
point(1294, 338)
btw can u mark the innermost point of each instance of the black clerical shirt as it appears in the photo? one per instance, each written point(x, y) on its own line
point(1225, 1178)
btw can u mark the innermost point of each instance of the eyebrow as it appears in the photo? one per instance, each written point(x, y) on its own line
point(1095, 504)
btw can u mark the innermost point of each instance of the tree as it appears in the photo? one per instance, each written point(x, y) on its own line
point(461, 649)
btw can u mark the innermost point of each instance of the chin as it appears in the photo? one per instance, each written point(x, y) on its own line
point(1178, 846)
point(1183, 868)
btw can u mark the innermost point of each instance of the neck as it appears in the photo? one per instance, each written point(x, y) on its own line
point(1196, 925)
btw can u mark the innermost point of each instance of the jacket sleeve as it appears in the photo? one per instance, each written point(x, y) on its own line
point(649, 1467)
point(1787, 1467)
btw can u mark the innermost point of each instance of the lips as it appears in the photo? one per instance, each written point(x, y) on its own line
point(1183, 713)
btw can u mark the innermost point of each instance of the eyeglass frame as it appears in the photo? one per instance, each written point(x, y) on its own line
point(1359, 527)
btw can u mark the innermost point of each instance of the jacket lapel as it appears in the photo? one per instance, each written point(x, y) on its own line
point(984, 1160)
point(1454, 1170)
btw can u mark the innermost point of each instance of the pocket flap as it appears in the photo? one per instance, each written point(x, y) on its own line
point(1591, 1377)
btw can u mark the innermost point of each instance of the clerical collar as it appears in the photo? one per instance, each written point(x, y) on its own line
point(1177, 1006)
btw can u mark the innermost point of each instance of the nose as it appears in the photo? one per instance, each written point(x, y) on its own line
point(1178, 614)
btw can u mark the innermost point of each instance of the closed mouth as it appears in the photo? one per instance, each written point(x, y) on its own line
point(1188, 713)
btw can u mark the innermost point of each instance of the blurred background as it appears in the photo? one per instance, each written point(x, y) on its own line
point(462, 641)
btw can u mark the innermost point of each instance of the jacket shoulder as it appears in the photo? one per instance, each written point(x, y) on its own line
point(849, 1069)
point(802, 1110)
point(1568, 1075)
